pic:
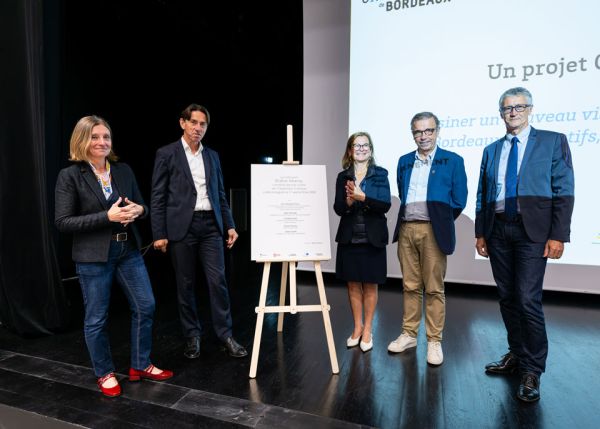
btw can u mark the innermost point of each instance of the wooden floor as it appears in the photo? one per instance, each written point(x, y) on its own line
point(294, 387)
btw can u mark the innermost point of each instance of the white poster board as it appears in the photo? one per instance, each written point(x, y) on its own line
point(289, 213)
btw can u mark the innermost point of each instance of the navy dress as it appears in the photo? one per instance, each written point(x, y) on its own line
point(362, 234)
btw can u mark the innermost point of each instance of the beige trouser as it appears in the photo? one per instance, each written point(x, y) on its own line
point(423, 267)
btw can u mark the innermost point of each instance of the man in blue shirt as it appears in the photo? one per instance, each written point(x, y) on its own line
point(432, 186)
point(524, 204)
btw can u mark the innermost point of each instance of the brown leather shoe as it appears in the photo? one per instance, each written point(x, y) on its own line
point(507, 365)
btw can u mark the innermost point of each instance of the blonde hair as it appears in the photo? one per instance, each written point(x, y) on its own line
point(348, 157)
point(81, 138)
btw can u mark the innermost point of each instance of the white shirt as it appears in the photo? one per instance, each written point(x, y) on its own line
point(196, 164)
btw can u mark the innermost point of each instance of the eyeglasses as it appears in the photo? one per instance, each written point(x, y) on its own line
point(364, 146)
point(428, 132)
point(517, 107)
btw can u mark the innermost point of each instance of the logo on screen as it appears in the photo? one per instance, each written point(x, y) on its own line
point(392, 5)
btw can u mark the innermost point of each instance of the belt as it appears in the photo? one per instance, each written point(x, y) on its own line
point(501, 216)
point(203, 213)
point(416, 221)
point(121, 236)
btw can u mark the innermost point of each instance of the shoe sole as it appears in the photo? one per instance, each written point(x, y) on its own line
point(495, 371)
point(135, 378)
point(529, 401)
point(224, 349)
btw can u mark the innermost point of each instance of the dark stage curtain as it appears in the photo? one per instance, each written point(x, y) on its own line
point(32, 300)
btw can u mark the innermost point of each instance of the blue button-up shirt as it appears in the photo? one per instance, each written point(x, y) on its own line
point(416, 197)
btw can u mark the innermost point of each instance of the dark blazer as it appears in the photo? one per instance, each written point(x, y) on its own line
point(377, 202)
point(545, 189)
point(81, 208)
point(174, 194)
point(446, 194)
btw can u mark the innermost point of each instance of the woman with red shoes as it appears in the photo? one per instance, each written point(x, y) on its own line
point(98, 201)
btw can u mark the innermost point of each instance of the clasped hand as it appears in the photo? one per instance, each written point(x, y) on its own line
point(353, 193)
point(126, 214)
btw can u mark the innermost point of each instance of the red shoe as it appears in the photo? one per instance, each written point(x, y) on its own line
point(136, 374)
point(109, 391)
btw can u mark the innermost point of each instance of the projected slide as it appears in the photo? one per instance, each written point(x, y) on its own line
point(455, 57)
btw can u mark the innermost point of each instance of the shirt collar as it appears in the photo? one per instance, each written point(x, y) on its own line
point(523, 136)
point(430, 156)
point(188, 149)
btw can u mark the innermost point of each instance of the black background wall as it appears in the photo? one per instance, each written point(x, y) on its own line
point(138, 64)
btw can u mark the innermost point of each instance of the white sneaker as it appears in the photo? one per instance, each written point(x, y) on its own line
point(434, 353)
point(402, 343)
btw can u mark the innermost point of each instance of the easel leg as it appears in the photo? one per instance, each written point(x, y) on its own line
point(326, 321)
point(284, 271)
point(293, 303)
point(260, 310)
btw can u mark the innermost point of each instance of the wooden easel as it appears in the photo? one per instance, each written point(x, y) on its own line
point(293, 308)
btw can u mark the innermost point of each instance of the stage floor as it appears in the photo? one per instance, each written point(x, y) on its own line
point(294, 387)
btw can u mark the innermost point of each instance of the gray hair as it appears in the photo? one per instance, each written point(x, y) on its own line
point(514, 92)
point(425, 115)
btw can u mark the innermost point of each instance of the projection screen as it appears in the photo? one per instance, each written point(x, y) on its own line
point(371, 65)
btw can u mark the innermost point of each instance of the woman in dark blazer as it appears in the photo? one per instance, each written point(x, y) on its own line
point(362, 197)
point(98, 201)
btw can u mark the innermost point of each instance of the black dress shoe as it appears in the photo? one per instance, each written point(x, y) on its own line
point(529, 389)
point(234, 349)
point(507, 365)
point(192, 348)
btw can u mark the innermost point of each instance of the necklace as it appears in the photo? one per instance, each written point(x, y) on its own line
point(104, 180)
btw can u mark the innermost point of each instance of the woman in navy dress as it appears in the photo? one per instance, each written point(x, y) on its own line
point(362, 198)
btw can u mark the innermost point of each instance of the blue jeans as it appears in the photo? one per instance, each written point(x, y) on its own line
point(518, 266)
point(96, 278)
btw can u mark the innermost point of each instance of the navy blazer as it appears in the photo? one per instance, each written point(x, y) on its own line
point(446, 194)
point(82, 209)
point(174, 195)
point(377, 202)
point(545, 189)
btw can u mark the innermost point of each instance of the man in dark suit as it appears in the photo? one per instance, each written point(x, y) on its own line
point(190, 215)
point(523, 216)
point(432, 186)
